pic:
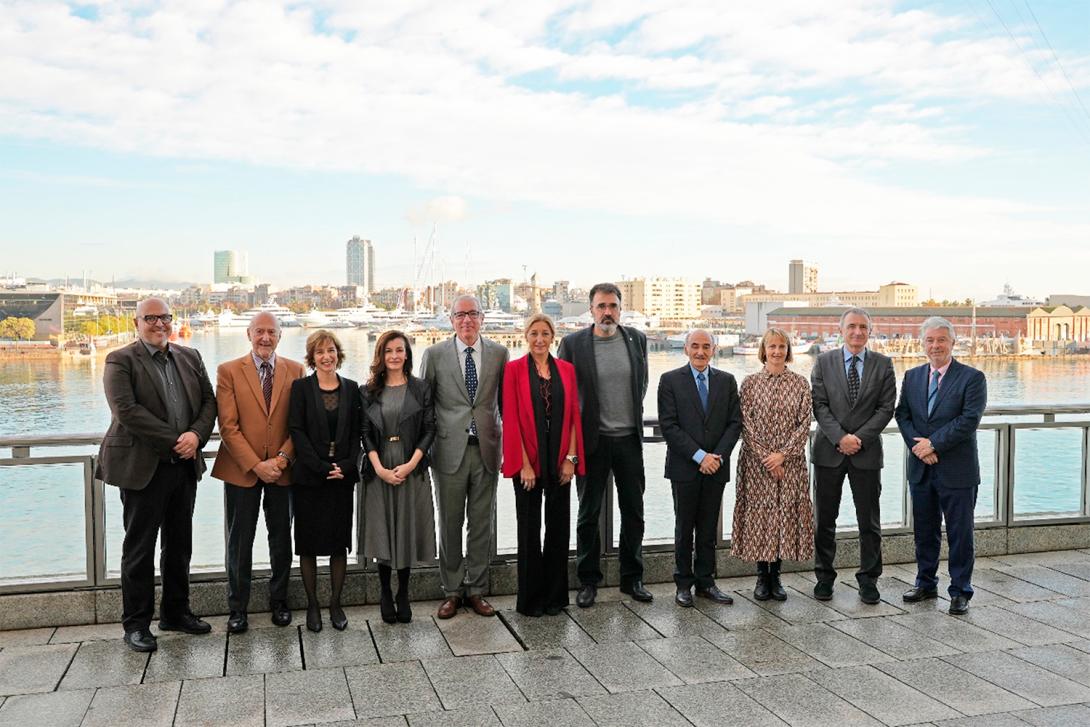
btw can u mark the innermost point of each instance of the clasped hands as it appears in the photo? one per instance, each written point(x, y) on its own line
point(711, 463)
point(850, 444)
point(774, 464)
point(186, 445)
point(925, 451)
point(396, 475)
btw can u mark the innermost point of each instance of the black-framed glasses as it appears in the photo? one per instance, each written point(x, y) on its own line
point(463, 314)
point(166, 318)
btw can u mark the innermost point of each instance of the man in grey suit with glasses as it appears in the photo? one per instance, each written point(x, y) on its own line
point(466, 374)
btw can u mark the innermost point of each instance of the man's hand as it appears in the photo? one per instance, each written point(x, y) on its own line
point(186, 446)
point(268, 471)
point(923, 447)
point(930, 458)
point(710, 464)
point(849, 444)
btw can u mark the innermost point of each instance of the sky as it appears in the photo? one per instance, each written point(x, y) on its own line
point(943, 144)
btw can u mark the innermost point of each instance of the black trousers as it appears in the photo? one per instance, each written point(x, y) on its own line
point(165, 505)
point(624, 457)
point(866, 490)
point(543, 571)
point(241, 506)
point(696, 513)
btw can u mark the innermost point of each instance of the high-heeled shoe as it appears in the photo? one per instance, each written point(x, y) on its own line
point(386, 607)
point(337, 617)
point(314, 618)
point(404, 610)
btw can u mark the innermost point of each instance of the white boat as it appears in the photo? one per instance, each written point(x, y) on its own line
point(286, 317)
point(228, 319)
point(498, 320)
point(315, 319)
point(748, 350)
point(201, 320)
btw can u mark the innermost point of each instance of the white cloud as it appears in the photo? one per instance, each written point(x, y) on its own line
point(441, 209)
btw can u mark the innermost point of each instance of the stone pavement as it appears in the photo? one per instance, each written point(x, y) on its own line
point(1021, 656)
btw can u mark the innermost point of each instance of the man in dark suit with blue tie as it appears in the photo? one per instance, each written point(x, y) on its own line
point(940, 409)
point(701, 419)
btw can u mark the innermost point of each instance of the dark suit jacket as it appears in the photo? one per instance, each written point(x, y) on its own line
point(959, 405)
point(307, 422)
point(578, 349)
point(686, 428)
point(139, 437)
point(836, 416)
point(416, 425)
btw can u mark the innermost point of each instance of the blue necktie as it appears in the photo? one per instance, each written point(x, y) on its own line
point(702, 389)
point(932, 391)
point(471, 385)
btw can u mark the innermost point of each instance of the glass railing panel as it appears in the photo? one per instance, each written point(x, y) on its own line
point(43, 537)
point(658, 500)
point(987, 443)
point(507, 523)
point(891, 501)
point(1047, 472)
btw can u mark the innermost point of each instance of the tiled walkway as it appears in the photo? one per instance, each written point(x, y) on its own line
point(1020, 657)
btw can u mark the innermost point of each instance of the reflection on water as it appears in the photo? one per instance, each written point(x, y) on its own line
point(43, 505)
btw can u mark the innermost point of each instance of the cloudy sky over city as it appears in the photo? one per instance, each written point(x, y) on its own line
point(945, 144)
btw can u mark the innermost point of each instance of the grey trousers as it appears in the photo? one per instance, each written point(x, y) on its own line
point(466, 495)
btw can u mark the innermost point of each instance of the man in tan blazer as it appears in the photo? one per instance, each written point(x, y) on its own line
point(255, 457)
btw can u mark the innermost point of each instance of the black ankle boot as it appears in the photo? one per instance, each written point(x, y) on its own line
point(404, 610)
point(386, 606)
point(761, 591)
point(776, 588)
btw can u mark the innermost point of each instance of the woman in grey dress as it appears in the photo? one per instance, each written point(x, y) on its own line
point(398, 428)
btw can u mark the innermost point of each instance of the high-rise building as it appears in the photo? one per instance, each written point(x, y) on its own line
point(801, 278)
point(360, 263)
point(667, 298)
point(229, 266)
point(497, 294)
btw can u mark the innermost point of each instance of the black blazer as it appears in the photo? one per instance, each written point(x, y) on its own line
point(686, 428)
point(578, 349)
point(307, 422)
point(836, 416)
point(416, 426)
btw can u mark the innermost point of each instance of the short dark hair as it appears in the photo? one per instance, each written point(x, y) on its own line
point(318, 338)
point(607, 288)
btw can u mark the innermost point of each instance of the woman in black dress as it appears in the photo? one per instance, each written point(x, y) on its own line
point(324, 421)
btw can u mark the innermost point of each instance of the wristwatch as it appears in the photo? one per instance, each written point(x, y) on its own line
point(281, 453)
point(574, 459)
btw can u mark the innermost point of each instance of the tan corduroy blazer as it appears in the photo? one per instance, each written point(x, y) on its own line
point(250, 433)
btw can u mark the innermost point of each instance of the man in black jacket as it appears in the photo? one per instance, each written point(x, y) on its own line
point(701, 419)
point(611, 368)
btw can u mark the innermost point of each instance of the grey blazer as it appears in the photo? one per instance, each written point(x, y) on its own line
point(441, 367)
point(836, 417)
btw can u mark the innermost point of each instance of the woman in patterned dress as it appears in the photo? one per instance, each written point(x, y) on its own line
point(773, 515)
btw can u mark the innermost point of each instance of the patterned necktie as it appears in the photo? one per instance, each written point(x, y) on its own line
point(266, 383)
point(471, 385)
point(932, 391)
point(853, 380)
point(702, 389)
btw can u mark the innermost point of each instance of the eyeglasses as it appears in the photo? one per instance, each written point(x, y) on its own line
point(166, 318)
point(463, 314)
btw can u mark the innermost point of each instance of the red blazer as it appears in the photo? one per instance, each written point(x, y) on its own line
point(519, 427)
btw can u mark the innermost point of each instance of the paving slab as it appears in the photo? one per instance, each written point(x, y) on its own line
point(898, 641)
point(623, 667)
point(1077, 604)
point(554, 713)
point(186, 657)
point(394, 721)
point(547, 632)
point(469, 680)
point(1079, 569)
point(379, 690)
point(1066, 619)
point(332, 648)
point(551, 674)
point(25, 637)
point(31, 669)
point(104, 664)
point(611, 622)
point(1014, 626)
point(1053, 580)
point(1048, 557)
point(881, 696)
point(799, 701)
point(474, 635)
point(141, 705)
point(87, 632)
point(478, 716)
point(260, 651)
point(954, 687)
point(237, 700)
point(846, 600)
point(318, 695)
point(634, 709)
point(1073, 715)
point(742, 614)
point(57, 709)
point(1020, 677)
point(695, 660)
point(829, 646)
point(1062, 659)
point(419, 639)
point(954, 632)
point(797, 608)
point(671, 620)
point(719, 703)
point(986, 720)
point(764, 653)
point(1010, 587)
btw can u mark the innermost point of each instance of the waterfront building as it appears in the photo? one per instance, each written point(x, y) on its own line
point(801, 277)
point(1068, 299)
point(668, 299)
point(497, 294)
point(1059, 323)
point(360, 263)
point(893, 322)
point(230, 266)
point(49, 309)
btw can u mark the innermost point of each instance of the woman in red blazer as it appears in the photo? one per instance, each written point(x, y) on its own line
point(542, 451)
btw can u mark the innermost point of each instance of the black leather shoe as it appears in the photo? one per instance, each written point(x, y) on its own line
point(868, 593)
point(684, 598)
point(281, 614)
point(337, 618)
point(141, 640)
point(761, 591)
point(712, 593)
point(823, 590)
point(404, 610)
point(776, 588)
point(386, 607)
point(917, 594)
point(187, 623)
point(638, 592)
point(587, 594)
point(314, 619)
point(237, 622)
point(959, 606)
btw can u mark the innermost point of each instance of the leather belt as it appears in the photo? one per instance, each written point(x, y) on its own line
point(393, 439)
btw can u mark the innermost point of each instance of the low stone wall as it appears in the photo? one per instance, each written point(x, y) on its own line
point(103, 605)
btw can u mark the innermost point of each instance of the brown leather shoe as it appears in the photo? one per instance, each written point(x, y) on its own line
point(481, 606)
point(449, 607)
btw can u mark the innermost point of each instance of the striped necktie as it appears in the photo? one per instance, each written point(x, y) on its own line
point(932, 391)
point(266, 383)
point(853, 380)
point(471, 385)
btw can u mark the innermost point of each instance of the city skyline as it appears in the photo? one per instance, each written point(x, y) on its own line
point(585, 141)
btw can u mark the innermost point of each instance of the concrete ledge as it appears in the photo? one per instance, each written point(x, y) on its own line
point(89, 606)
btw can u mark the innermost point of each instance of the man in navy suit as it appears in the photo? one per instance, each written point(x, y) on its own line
point(701, 419)
point(938, 414)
